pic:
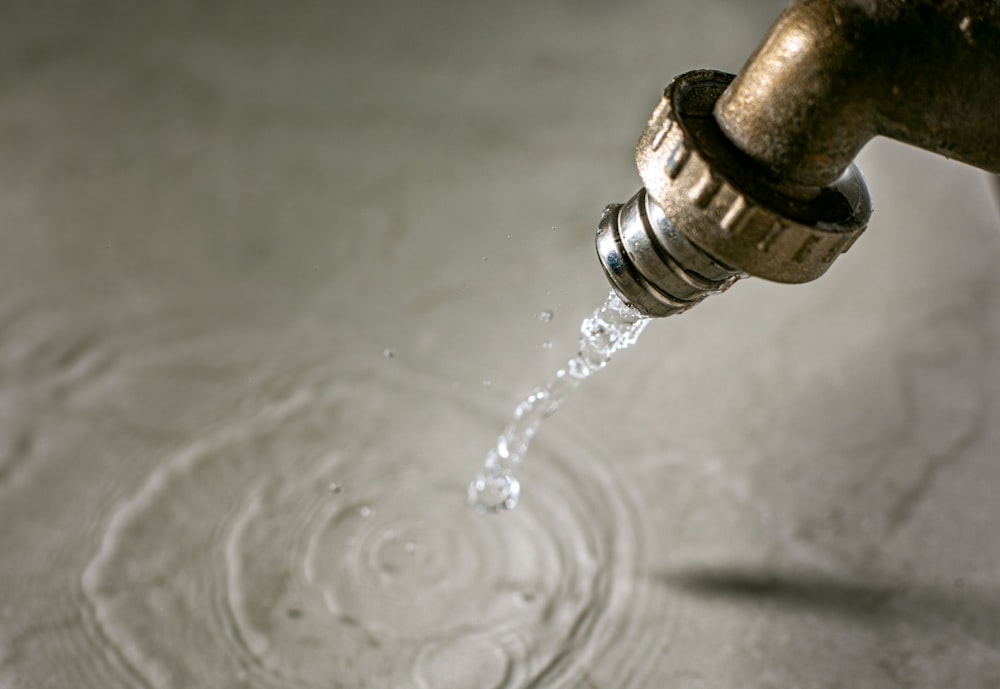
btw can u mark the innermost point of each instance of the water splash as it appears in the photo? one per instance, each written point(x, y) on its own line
point(610, 328)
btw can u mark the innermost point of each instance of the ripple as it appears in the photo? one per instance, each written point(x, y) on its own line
point(46, 356)
point(326, 541)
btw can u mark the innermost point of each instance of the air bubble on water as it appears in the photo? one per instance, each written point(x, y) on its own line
point(546, 315)
point(365, 512)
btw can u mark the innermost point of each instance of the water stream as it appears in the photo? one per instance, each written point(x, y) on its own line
point(613, 326)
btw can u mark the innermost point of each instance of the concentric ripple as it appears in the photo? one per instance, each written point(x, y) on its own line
point(324, 540)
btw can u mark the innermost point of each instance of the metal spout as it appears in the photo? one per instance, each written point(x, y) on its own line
point(832, 74)
point(706, 217)
point(655, 268)
point(753, 175)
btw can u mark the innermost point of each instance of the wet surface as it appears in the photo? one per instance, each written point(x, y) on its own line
point(272, 282)
point(237, 550)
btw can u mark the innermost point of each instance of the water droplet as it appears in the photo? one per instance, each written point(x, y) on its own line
point(546, 315)
point(388, 353)
point(365, 512)
point(496, 492)
point(610, 328)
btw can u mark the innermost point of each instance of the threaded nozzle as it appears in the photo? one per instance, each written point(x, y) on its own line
point(651, 265)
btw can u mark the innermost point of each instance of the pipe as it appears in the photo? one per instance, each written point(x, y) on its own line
point(832, 74)
point(753, 174)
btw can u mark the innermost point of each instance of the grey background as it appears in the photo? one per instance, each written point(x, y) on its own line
point(194, 196)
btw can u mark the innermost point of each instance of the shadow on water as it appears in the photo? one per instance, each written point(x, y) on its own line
point(798, 591)
point(960, 609)
point(908, 591)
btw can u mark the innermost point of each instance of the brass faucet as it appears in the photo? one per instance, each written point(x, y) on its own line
point(753, 174)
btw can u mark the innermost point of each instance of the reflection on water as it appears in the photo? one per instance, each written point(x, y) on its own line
point(351, 560)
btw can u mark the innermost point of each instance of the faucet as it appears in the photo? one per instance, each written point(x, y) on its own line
point(753, 175)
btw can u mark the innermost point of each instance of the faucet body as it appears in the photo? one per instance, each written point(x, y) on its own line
point(832, 74)
point(753, 174)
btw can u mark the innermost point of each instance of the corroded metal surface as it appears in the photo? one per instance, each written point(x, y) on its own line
point(832, 74)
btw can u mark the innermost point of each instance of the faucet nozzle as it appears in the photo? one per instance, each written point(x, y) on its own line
point(706, 216)
point(754, 176)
